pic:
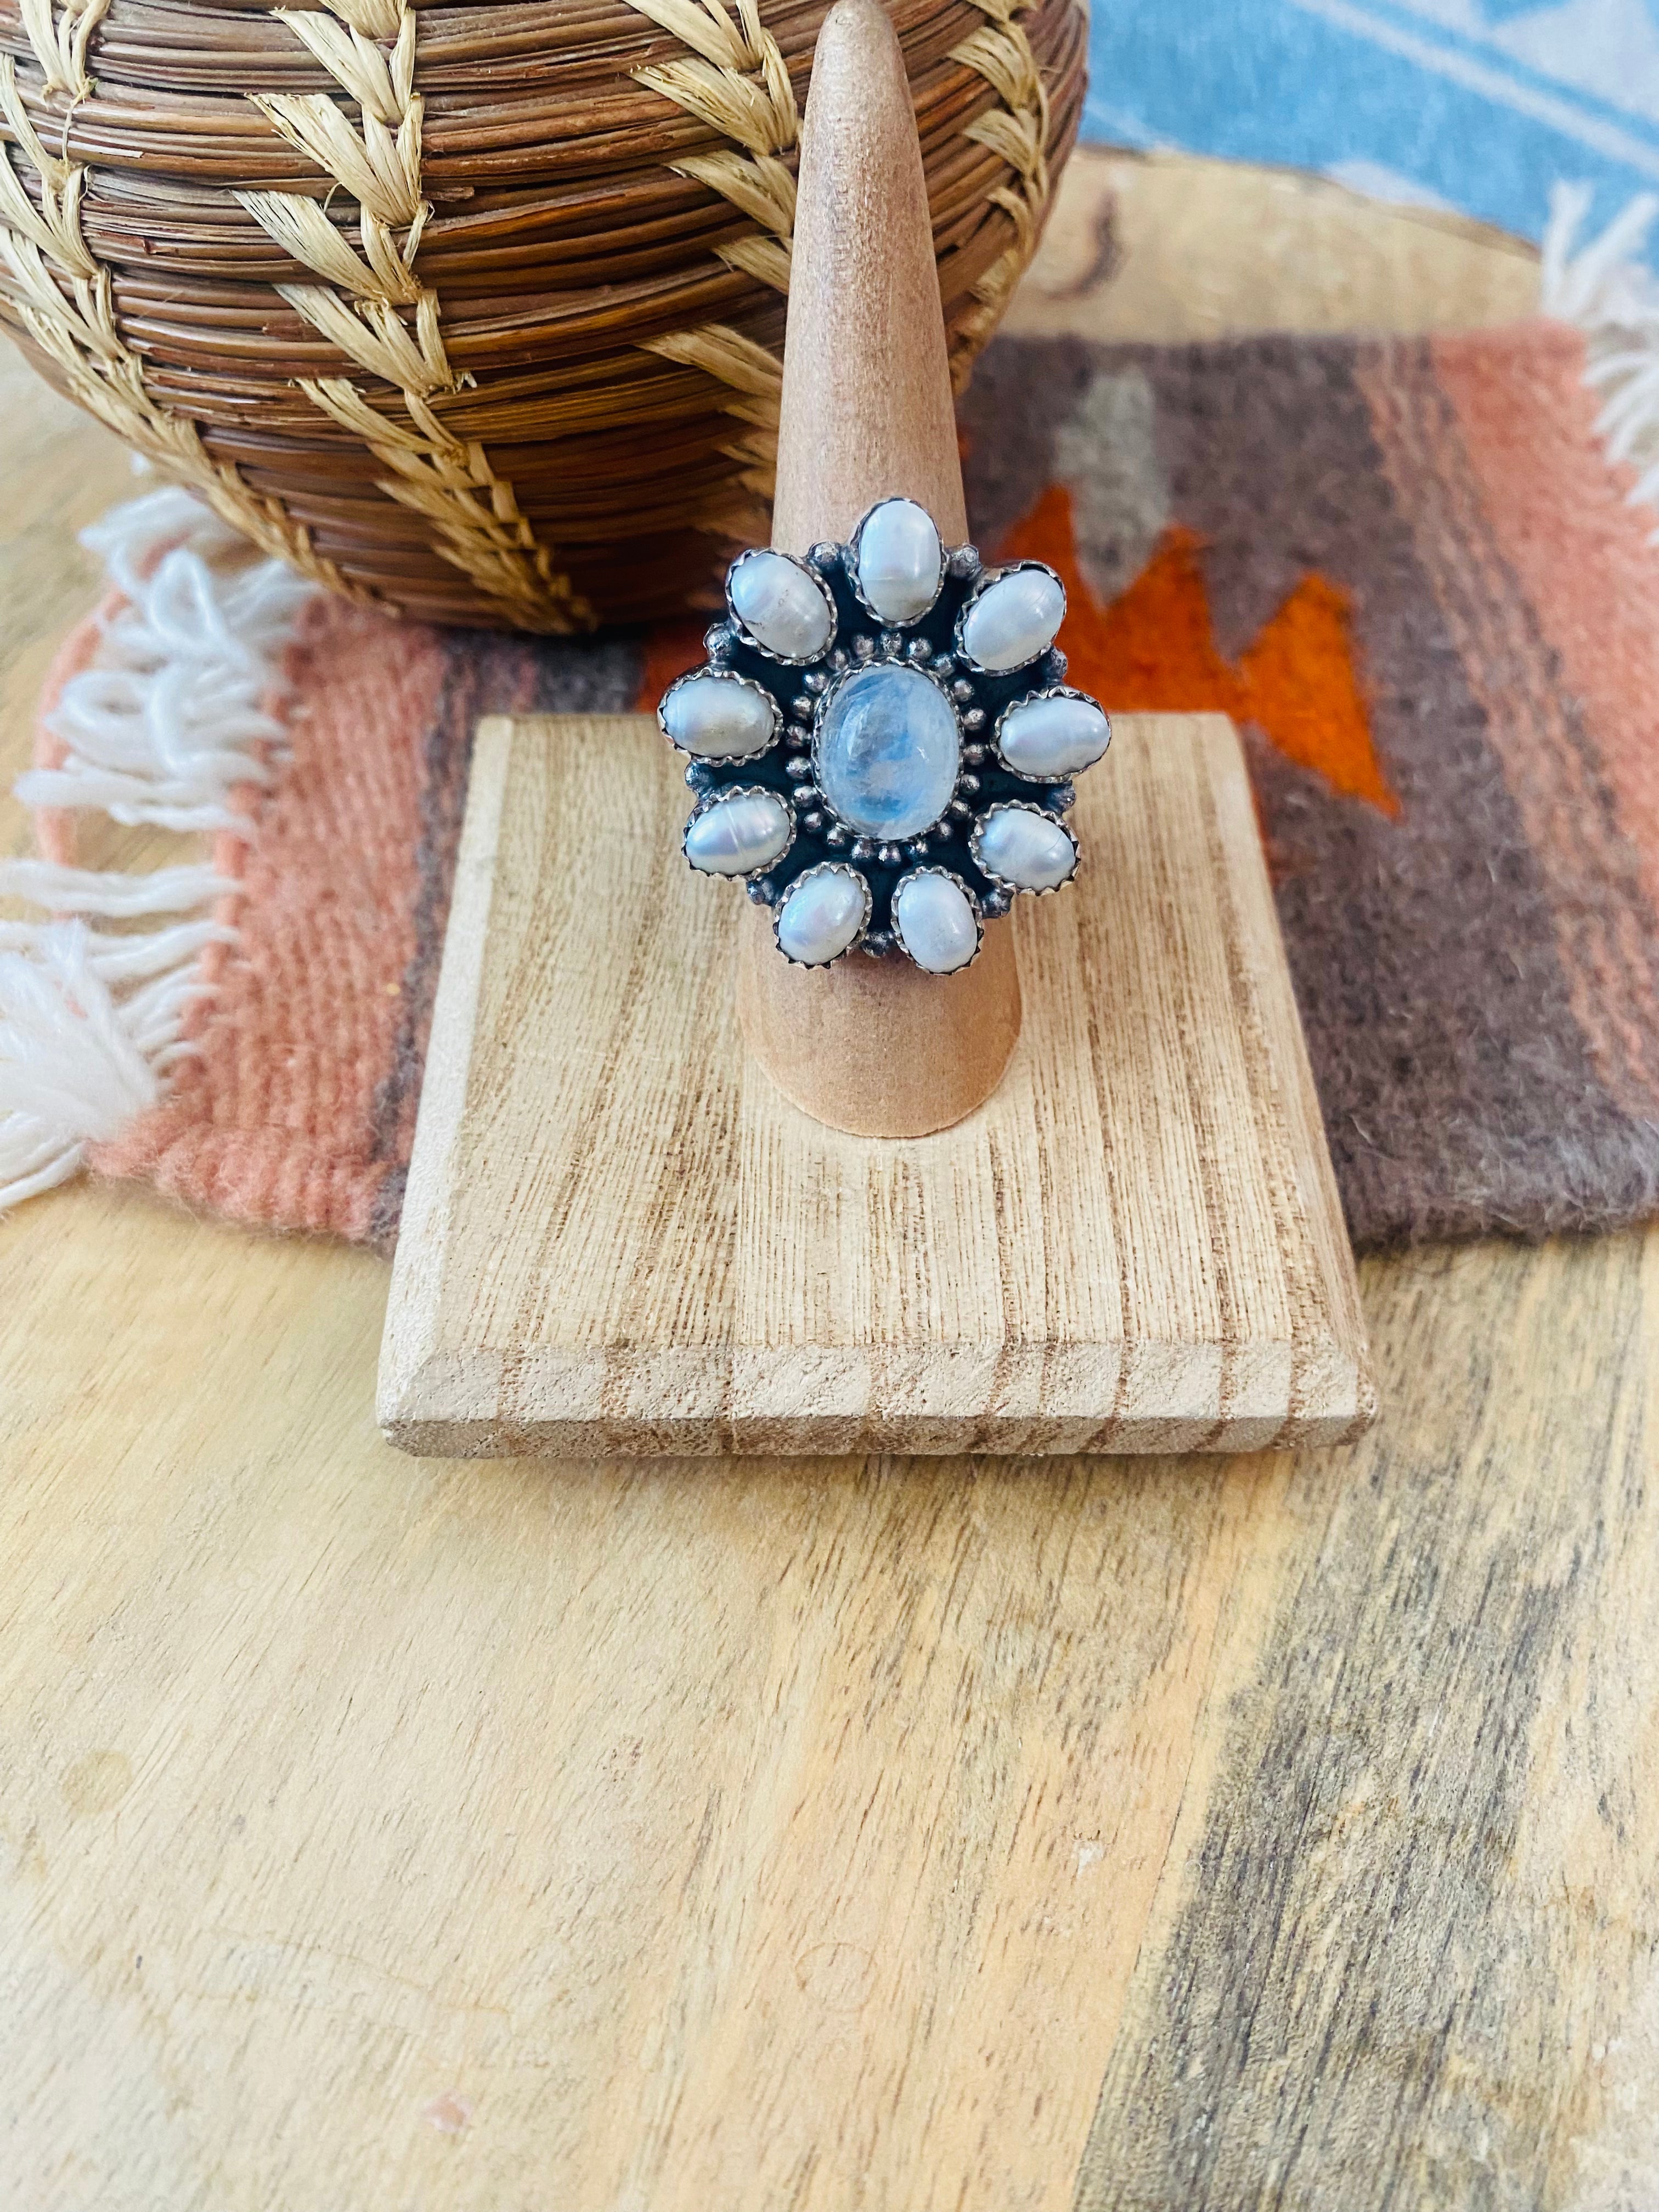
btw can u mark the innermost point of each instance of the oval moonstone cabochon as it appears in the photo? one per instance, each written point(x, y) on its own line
point(888, 752)
point(1018, 846)
point(825, 910)
point(901, 561)
point(1061, 735)
point(719, 717)
point(1012, 619)
point(737, 834)
point(783, 608)
point(935, 921)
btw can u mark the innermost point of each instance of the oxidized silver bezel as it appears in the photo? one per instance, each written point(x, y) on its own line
point(706, 805)
point(838, 684)
point(987, 578)
point(1005, 883)
point(950, 876)
point(721, 675)
point(854, 577)
point(1032, 699)
point(782, 660)
point(825, 868)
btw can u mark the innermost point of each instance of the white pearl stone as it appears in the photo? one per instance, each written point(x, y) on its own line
point(888, 752)
point(718, 717)
point(781, 607)
point(1013, 620)
point(900, 560)
point(822, 914)
point(936, 924)
point(1053, 737)
point(1031, 851)
point(738, 834)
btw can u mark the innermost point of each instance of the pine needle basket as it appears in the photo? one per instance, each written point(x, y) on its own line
point(474, 311)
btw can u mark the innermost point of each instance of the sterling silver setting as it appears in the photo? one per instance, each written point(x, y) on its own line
point(884, 780)
point(808, 876)
point(713, 800)
point(987, 867)
point(742, 570)
point(1057, 691)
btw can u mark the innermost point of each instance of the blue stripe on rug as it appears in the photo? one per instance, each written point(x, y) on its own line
point(1481, 109)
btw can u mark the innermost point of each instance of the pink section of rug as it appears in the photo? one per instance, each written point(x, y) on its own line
point(272, 1119)
point(1578, 548)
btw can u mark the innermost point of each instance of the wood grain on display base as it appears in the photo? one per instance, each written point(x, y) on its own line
point(618, 1236)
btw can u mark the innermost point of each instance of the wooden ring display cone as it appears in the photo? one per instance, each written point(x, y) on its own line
point(874, 1047)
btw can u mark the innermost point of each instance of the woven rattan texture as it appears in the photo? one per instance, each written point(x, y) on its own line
point(475, 311)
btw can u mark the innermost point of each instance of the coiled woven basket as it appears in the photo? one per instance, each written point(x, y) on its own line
point(475, 311)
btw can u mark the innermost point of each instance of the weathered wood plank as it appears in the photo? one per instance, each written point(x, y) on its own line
point(736, 1835)
point(1412, 1916)
point(760, 1834)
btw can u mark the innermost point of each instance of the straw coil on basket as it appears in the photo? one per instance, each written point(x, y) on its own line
point(475, 311)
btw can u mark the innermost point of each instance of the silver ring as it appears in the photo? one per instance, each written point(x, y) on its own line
point(865, 702)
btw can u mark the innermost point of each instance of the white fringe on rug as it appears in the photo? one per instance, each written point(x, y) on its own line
point(1606, 292)
point(162, 729)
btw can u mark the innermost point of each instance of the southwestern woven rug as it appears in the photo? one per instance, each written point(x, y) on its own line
point(1408, 569)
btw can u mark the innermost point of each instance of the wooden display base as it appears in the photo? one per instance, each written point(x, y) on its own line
point(620, 1238)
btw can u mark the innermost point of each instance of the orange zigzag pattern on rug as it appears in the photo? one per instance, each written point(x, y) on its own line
point(1153, 651)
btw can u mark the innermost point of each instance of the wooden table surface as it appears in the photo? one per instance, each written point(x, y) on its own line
point(545, 1837)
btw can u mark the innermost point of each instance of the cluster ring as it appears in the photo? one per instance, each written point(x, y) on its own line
point(881, 743)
